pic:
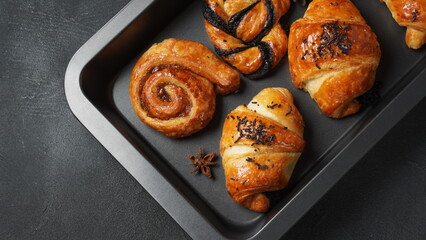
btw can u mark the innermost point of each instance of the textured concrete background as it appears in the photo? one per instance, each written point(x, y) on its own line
point(58, 182)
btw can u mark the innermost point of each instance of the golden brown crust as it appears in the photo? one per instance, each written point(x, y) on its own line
point(410, 14)
point(172, 87)
point(333, 54)
point(260, 145)
point(247, 34)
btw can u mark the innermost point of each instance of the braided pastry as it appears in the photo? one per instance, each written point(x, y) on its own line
point(333, 54)
point(260, 145)
point(410, 14)
point(246, 33)
point(173, 85)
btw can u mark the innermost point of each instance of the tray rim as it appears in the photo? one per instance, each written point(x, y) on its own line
point(168, 197)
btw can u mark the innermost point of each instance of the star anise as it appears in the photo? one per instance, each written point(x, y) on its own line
point(203, 163)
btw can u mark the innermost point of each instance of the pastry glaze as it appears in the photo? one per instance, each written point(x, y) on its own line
point(260, 145)
point(174, 84)
point(333, 54)
point(410, 14)
point(247, 34)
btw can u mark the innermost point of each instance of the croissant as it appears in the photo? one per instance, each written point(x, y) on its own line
point(260, 145)
point(333, 54)
point(410, 14)
point(173, 86)
point(247, 34)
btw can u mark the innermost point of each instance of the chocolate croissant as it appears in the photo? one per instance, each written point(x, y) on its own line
point(410, 14)
point(173, 86)
point(333, 54)
point(247, 34)
point(260, 145)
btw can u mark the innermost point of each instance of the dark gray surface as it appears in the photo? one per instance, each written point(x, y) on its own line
point(58, 182)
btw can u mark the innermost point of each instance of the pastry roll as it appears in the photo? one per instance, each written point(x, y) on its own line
point(246, 33)
point(410, 14)
point(333, 55)
point(173, 86)
point(260, 145)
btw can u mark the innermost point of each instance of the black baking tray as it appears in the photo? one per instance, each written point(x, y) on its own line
point(96, 86)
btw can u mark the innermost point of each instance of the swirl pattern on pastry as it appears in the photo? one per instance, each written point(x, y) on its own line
point(260, 145)
point(333, 54)
point(410, 14)
point(246, 33)
point(173, 86)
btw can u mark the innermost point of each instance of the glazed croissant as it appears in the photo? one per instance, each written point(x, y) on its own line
point(333, 54)
point(174, 84)
point(260, 145)
point(246, 33)
point(410, 14)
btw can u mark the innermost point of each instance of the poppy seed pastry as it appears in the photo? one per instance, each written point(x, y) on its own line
point(247, 33)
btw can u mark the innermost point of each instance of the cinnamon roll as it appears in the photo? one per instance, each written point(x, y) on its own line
point(173, 86)
point(247, 34)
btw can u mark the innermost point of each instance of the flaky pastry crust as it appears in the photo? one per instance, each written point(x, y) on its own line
point(333, 54)
point(410, 14)
point(173, 86)
point(247, 34)
point(260, 145)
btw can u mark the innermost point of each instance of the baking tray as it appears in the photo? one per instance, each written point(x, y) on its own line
point(96, 86)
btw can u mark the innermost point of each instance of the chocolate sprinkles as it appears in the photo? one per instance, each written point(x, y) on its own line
point(414, 15)
point(259, 166)
point(333, 42)
point(316, 65)
point(273, 105)
point(334, 34)
point(254, 130)
point(290, 109)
